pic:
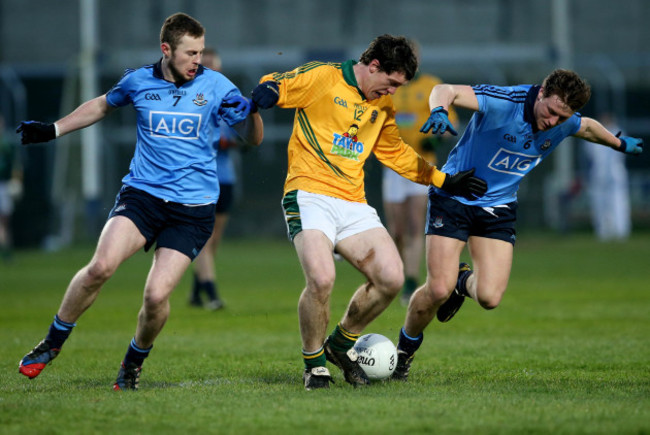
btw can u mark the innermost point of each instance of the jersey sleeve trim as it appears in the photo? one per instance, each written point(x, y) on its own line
point(508, 94)
point(301, 70)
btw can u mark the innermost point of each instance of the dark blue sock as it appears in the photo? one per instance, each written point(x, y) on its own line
point(210, 288)
point(135, 354)
point(409, 344)
point(196, 287)
point(461, 284)
point(59, 332)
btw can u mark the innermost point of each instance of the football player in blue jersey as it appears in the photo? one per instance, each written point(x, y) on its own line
point(167, 198)
point(512, 130)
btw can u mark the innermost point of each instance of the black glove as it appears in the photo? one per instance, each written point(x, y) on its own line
point(35, 132)
point(465, 184)
point(266, 95)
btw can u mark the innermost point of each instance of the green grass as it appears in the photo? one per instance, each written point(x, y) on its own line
point(568, 351)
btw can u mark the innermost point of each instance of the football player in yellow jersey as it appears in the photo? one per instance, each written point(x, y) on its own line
point(344, 112)
point(405, 202)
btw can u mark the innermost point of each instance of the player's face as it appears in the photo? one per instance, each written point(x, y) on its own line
point(379, 83)
point(186, 58)
point(550, 111)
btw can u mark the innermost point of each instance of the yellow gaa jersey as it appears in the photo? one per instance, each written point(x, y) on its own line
point(336, 128)
point(412, 104)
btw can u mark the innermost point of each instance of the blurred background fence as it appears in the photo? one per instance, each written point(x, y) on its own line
point(56, 54)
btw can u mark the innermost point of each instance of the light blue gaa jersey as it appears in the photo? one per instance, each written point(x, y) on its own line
point(174, 156)
point(502, 142)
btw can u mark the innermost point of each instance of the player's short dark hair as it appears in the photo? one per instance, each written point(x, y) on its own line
point(569, 87)
point(394, 53)
point(178, 25)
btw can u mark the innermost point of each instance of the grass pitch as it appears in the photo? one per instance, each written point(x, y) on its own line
point(568, 351)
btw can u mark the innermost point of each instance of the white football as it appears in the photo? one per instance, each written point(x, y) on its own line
point(377, 356)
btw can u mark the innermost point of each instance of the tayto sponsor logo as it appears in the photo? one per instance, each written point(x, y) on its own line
point(513, 163)
point(175, 125)
point(346, 147)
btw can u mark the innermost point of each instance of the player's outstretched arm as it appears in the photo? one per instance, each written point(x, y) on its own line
point(251, 129)
point(441, 98)
point(593, 131)
point(87, 114)
point(446, 95)
point(264, 96)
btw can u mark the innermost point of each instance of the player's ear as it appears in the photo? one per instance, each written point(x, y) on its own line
point(166, 49)
point(374, 66)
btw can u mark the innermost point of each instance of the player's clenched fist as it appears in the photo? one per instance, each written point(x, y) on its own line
point(35, 132)
point(266, 94)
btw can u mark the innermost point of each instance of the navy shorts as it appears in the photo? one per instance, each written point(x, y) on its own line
point(450, 218)
point(183, 228)
point(224, 204)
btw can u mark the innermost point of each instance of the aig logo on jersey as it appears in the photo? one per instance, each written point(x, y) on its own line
point(175, 125)
point(510, 162)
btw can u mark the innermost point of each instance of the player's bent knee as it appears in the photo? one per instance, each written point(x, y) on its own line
point(389, 284)
point(99, 271)
point(490, 302)
point(153, 301)
point(394, 279)
point(390, 277)
point(437, 292)
point(321, 284)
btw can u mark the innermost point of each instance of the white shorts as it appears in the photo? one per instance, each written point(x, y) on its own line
point(397, 188)
point(335, 217)
point(6, 202)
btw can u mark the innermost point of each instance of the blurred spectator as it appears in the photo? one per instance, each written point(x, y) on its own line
point(10, 188)
point(205, 279)
point(608, 187)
